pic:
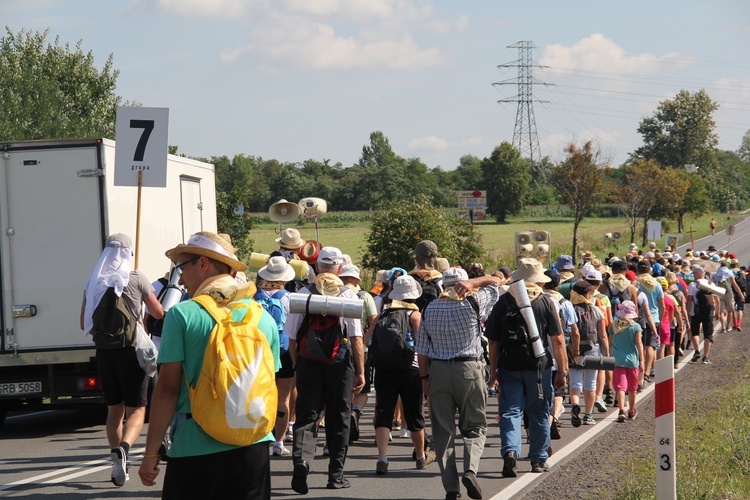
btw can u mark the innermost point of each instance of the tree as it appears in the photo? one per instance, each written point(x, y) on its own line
point(744, 150)
point(48, 91)
point(469, 174)
point(396, 230)
point(579, 182)
point(379, 153)
point(507, 178)
point(695, 202)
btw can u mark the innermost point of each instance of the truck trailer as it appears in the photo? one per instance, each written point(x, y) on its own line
point(58, 204)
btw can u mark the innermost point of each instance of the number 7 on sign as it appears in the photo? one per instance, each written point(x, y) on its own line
point(148, 127)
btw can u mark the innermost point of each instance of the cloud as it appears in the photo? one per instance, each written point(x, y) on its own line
point(217, 9)
point(599, 54)
point(431, 142)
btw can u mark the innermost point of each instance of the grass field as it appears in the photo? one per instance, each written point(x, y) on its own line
point(497, 239)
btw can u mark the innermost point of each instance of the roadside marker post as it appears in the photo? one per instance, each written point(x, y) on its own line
point(666, 476)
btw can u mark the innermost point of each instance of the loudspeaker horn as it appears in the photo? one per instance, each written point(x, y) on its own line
point(313, 207)
point(617, 236)
point(523, 238)
point(284, 211)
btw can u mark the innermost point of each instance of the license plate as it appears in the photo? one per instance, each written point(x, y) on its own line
point(6, 389)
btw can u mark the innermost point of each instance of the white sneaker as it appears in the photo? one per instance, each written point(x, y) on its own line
point(279, 450)
point(404, 433)
point(119, 466)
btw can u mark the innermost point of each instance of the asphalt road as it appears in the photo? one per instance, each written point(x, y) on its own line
point(64, 453)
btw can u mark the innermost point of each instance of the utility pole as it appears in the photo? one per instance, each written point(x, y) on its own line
point(525, 138)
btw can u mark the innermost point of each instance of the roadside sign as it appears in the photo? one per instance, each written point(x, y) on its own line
point(474, 200)
point(730, 230)
point(142, 135)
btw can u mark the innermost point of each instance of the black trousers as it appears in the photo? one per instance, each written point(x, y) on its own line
point(243, 473)
point(319, 386)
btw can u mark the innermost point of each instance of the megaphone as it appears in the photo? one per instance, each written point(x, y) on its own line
point(616, 236)
point(313, 207)
point(284, 211)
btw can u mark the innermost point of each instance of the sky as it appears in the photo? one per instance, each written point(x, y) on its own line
point(293, 80)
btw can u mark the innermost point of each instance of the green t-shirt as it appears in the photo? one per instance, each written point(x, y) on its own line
point(186, 330)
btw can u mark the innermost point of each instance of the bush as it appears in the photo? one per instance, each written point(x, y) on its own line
point(396, 231)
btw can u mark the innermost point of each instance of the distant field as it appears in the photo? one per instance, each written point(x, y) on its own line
point(497, 239)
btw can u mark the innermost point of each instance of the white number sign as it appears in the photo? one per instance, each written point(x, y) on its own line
point(142, 135)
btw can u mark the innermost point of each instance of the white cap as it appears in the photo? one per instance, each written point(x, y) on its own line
point(330, 256)
point(454, 275)
point(350, 270)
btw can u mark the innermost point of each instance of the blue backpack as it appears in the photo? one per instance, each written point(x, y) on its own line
point(274, 307)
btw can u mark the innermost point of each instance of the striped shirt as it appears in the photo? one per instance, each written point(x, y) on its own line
point(449, 327)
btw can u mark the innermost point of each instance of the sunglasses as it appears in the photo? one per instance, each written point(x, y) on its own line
point(183, 264)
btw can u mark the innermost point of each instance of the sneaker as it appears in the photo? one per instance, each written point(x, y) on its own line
point(509, 464)
point(299, 477)
point(739, 328)
point(575, 416)
point(279, 450)
point(539, 466)
point(381, 468)
point(289, 437)
point(429, 457)
point(396, 425)
point(119, 466)
point(706, 361)
point(338, 484)
point(452, 495)
point(621, 416)
point(601, 407)
point(632, 414)
point(404, 433)
point(472, 486)
point(554, 432)
point(651, 374)
point(588, 419)
point(696, 357)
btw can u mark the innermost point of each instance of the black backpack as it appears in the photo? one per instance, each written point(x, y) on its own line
point(516, 353)
point(320, 337)
point(154, 325)
point(430, 291)
point(702, 305)
point(586, 327)
point(741, 281)
point(389, 350)
point(114, 325)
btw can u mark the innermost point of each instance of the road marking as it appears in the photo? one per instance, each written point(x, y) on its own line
point(76, 472)
point(524, 480)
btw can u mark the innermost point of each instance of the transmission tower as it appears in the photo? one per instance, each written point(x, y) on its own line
point(525, 138)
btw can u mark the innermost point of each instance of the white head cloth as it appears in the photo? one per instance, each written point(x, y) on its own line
point(112, 270)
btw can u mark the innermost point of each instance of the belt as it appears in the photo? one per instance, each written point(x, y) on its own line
point(460, 359)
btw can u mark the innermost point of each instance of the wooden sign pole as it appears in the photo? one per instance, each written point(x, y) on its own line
point(138, 218)
point(692, 241)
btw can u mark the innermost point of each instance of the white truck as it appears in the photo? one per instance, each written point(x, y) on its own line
point(58, 204)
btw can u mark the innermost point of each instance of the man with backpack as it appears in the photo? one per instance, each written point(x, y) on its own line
point(110, 311)
point(701, 306)
point(224, 406)
point(526, 380)
point(739, 298)
point(449, 349)
point(329, 358)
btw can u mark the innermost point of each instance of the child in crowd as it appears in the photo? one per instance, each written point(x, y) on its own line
point(627, 349)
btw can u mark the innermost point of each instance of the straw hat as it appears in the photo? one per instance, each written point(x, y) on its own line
point(290, 239)
point(405, 287)
point(209, 245)
point(530, 270)
point(277, 269)
point(309, 252)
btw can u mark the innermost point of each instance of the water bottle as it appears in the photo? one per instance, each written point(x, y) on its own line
point(343, 347)
point(409, 339)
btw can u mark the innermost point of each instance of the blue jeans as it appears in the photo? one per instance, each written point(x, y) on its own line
point(519, 395)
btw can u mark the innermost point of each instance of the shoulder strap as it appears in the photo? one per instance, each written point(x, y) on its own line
point(219, 314)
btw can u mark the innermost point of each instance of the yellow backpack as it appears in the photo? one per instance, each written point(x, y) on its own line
point(235, 399)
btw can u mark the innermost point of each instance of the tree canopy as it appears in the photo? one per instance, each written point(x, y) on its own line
point(50, 91)
point(507, 178)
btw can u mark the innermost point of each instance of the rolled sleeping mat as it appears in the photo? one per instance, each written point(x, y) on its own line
point(258, 260)
point(303, 303)
point(711, 288)
point(598, 363)
point(174, 293)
